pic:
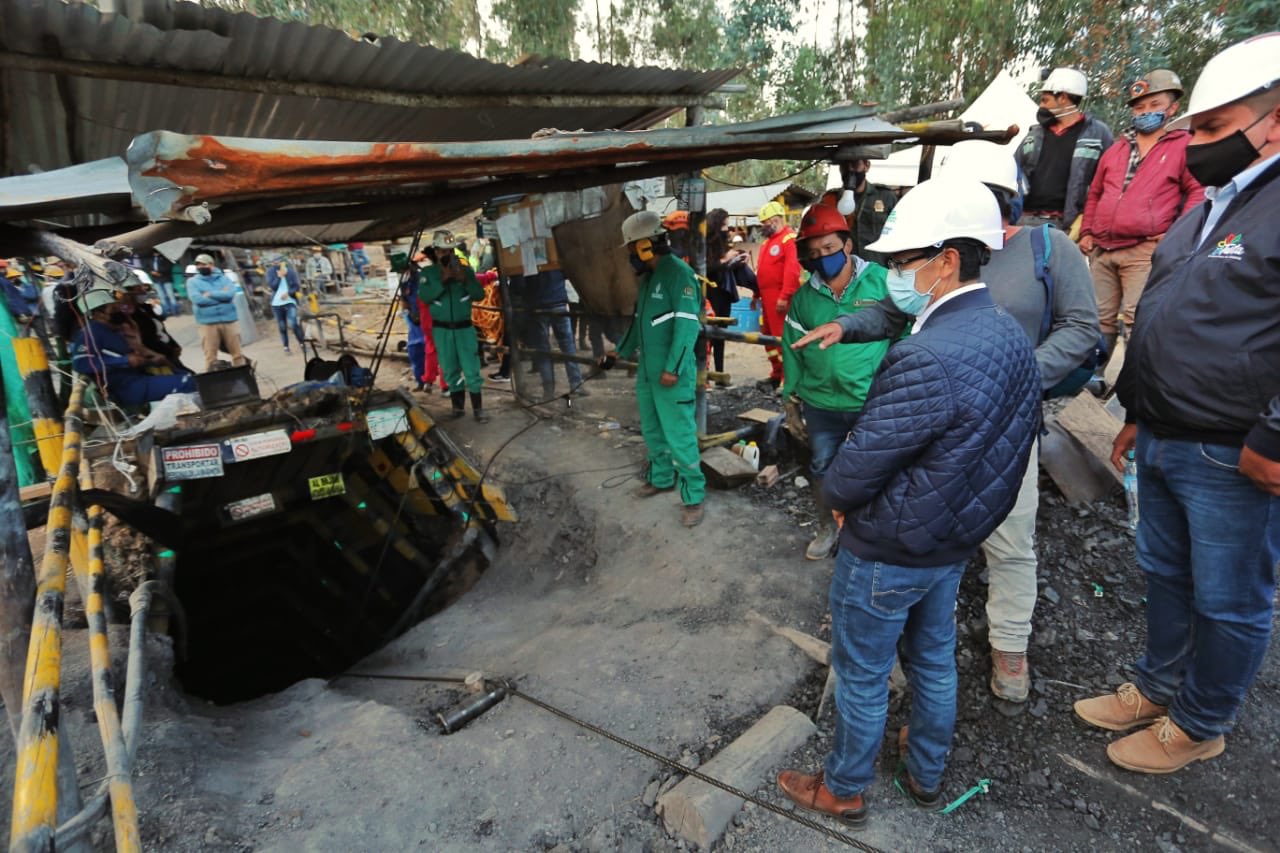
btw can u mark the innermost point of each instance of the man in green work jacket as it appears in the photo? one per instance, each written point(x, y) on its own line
point(448, 288)
point(663, 332)
point(830, 384)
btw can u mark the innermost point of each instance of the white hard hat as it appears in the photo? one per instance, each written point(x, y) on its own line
point(641, 225)
point(1246, 68)
point(1069, 80)
point(990, 163)
point(942, 208)
point(92, 300)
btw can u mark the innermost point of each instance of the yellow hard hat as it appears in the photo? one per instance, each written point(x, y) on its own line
point(13, 272)
point(772, 209)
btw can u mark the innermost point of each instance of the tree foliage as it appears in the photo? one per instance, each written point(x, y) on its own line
point(892, 52)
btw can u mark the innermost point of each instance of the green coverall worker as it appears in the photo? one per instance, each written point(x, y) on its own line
point(448, 288)
point(663, 331)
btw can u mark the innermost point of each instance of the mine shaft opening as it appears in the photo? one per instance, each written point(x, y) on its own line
point(315, 585)
point(283, 600)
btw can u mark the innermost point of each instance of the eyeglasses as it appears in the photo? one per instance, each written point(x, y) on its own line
point(898, 265)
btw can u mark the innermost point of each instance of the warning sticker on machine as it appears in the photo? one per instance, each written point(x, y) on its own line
point(250, 507)
point(245, 447)
point(194, 462)
point(385, 422)
point(326, 486)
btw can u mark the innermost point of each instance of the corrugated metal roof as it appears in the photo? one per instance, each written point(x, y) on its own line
point(390, 188)
point(57, 120)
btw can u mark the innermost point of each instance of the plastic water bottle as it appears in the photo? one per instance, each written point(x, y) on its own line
point(1131, 489)
point(751, 453)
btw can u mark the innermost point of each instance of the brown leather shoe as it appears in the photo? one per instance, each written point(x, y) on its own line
point(648, 490)
point(1121, 711)
point(1010, 676)
point(810, 792)
point(691, 515)
point(1162, 748)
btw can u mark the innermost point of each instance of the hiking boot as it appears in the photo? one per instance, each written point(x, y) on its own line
point(826, 534)
point(1162, 748)
point(1010, 675)
point(480, 416)
point(648, 490)
point(581, 391)
point(1121, 711)
point(810, 792)
point(691, 515)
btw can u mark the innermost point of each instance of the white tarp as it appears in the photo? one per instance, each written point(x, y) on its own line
point(1001, 104)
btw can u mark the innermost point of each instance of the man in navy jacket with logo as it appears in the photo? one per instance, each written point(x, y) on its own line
point(1201, 391)
point(932, 466)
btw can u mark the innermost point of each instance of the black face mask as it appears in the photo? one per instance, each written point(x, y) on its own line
point(639, 266)
point(1214, 164)
point(116, 317)
point(1045, 117)
point(205, 270)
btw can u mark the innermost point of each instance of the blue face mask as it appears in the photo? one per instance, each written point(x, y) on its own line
point(1148, 122)
point(827, 267)
point(902, 290)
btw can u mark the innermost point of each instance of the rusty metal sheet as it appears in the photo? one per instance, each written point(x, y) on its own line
point(171, 172)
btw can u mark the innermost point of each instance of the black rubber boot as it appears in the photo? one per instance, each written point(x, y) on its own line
point(477, 407)
point(459, 401)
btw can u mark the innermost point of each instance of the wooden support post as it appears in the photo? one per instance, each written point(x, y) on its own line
point(699, 813)
point(38, 782)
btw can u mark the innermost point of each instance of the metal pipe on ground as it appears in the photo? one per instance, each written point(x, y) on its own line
point(92, 581)
point(70, 832)
point(38, 782)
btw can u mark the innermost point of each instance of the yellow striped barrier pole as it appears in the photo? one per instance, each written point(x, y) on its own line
point(35, 789)
point(124, 811)
point(33, 366)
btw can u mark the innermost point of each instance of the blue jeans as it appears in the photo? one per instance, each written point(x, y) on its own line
point(286, 319)
point(562, 328)
point(418, 360)
point(1209, 545)
point(168, 300)
point(872, 605)
point(827, 432)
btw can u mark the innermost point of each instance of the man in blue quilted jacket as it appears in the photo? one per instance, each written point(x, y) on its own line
point(932, 466)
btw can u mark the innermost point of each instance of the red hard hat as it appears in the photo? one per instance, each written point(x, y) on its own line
point(820, 220)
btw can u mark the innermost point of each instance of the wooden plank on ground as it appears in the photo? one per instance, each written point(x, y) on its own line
point(758, 416)
point(813, 647)
point(1076, 451)
point(700, 813)
point(35, 492)
point(1093, 427)
point(726, 469)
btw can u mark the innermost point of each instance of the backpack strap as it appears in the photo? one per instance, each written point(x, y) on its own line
point(1041, 250)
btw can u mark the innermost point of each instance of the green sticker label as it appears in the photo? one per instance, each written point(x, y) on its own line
point(326, 486)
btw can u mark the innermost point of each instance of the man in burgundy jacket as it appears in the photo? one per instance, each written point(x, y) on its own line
point(1140, 188)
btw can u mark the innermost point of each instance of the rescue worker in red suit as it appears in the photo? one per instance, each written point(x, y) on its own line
point(432, 374)
point(778, 275)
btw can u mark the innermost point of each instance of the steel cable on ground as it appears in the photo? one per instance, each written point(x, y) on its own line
point(511, 688)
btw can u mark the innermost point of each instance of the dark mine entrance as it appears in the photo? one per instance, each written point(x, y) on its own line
point(318, 576)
